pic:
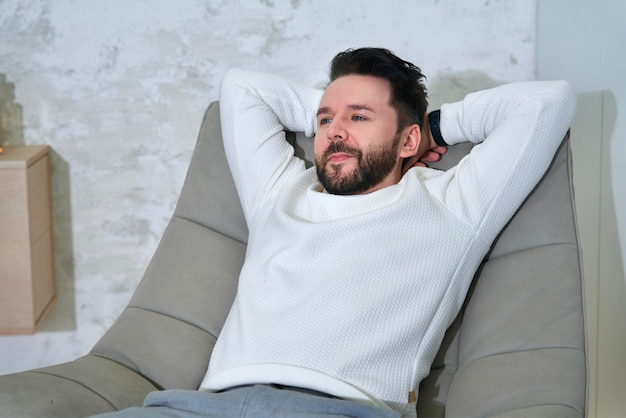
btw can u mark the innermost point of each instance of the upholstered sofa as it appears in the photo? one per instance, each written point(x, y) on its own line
point(517, 348)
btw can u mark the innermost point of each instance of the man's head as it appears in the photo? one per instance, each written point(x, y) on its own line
point(369, 121)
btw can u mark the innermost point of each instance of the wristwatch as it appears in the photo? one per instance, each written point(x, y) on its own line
point(435, 130)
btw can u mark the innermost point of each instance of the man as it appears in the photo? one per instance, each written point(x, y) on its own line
point(355, 268)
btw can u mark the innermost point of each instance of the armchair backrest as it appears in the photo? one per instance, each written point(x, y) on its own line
point(169, 328)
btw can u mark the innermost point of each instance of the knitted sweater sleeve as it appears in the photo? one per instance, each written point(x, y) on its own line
point(255, 111)
point(518, 127)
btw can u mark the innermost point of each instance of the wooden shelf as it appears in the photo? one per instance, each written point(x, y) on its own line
point(27, 285)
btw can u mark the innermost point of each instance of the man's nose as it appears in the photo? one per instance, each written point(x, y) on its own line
point(337, 132)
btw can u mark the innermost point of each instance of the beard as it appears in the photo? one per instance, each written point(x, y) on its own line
point(373, 166)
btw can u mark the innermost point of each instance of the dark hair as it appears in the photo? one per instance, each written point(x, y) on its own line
point(408, 92)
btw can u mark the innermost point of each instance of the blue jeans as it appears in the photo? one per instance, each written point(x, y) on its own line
point(249, 401)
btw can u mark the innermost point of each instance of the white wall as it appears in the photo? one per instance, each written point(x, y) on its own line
point(583, 42)
point(117, 88)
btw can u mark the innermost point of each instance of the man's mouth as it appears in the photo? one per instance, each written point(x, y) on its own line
point(339, 157)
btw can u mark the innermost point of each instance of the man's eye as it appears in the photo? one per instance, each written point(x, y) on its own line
point(358, 118)
point(324, 121)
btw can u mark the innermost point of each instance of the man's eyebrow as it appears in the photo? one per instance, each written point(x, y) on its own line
point(322, 110)
point(361, 107)
point(325, 109)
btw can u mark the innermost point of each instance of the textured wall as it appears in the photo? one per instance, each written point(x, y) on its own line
point(117, 88)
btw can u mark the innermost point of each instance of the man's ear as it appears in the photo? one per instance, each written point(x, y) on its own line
point(410, 141)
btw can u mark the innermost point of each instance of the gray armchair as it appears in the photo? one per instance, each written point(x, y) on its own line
point(516, 349)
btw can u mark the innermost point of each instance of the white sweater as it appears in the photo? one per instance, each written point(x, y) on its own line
point(351, 295)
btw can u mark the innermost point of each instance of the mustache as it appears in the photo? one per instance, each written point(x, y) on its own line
point(340, 146)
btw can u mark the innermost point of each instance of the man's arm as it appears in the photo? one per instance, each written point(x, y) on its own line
point(255, 110)
point(518, 128)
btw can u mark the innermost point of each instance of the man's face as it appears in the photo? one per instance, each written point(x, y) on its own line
point(357, 140)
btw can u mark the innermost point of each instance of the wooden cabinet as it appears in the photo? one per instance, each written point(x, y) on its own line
point(27, 288)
